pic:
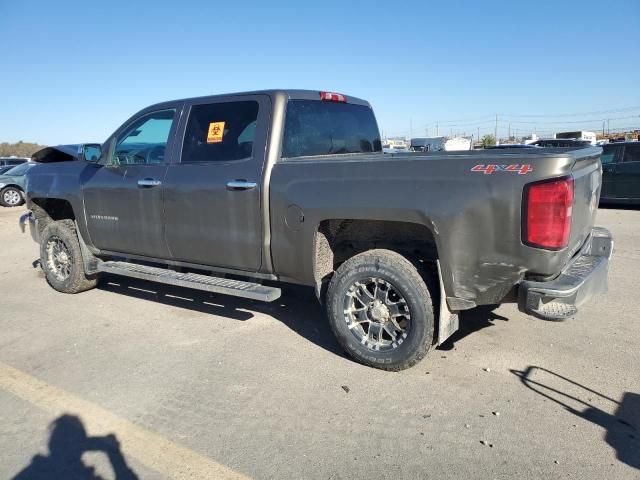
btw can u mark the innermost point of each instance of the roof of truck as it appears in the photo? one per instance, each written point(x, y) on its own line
point(290, 94)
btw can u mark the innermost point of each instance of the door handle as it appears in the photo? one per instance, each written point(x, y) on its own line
point(148, 182)
point(240, 185)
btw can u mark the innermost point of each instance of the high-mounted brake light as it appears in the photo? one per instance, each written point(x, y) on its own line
point(333, 97)
point(547, 213)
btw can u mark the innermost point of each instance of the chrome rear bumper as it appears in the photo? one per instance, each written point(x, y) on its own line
point(584, 276)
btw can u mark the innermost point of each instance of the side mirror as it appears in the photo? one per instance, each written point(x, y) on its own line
point(91, 152)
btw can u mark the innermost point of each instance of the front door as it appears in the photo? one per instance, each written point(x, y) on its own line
point(212, 195)
point(123, 196)
point(611, 155)
point(627, 173)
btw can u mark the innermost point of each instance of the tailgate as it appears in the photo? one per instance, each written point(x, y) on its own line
point(587, 178)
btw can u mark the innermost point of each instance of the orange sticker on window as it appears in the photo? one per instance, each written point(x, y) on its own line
point(216, 132)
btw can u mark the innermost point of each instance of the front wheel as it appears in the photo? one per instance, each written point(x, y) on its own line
point(61, 258)
point(380, 310)
point(11, 197)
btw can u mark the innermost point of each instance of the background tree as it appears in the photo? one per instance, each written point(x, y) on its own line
point(20, 149)
point(488, 140)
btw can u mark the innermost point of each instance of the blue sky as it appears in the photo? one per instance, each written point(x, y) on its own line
point(74, 71)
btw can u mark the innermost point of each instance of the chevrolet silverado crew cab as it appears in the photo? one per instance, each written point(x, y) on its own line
point(237, 194)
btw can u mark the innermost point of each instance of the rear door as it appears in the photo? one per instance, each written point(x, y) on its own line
point(627, 173)
point(212, 195)
point(123, 195)
point(611, 155)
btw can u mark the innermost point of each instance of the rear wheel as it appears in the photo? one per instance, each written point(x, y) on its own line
point(11, 197)
point(380, 310)
point(61, 258)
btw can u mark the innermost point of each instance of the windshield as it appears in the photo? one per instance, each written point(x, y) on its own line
point(19, 170)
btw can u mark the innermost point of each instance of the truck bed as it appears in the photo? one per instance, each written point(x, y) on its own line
point(474, 216)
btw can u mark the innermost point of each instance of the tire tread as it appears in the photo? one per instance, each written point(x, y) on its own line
point(407, 269)
point(79, 281)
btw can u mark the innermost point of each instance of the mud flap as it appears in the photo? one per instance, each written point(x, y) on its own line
point(448, 322)
point(89, 260)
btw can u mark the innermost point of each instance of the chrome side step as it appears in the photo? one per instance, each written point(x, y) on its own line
point(207, 283)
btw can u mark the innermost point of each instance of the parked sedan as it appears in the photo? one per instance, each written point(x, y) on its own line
point(506, 146)
point(12, 161)
point(621, 173)
point(560, 142)
point(12, 185)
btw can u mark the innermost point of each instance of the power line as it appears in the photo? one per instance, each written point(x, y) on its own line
point(564, 122)
point(597, 112)
point(486, 119)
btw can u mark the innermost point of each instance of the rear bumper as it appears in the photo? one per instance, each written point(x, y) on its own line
point(584, 277)
point(29, 218)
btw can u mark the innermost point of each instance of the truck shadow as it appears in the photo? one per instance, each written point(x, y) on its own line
point(297, 308)
point(68, 442)
point(472, 321)
point(622, 427)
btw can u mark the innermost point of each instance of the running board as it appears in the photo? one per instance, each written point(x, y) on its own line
point(225, 286)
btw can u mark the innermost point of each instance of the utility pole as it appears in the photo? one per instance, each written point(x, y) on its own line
point(410, 127)
point(426, 132)
point(437, 132)
point(478, 133)
point(603, 128)
point(509, 136)
point(495, 131)
point(608, 129)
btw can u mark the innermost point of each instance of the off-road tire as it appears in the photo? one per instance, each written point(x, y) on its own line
point(406, 278)
point(77, 281)
point(14, 191)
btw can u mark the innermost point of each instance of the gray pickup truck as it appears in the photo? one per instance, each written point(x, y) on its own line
point(236, 194)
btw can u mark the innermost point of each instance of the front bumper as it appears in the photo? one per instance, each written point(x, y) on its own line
point(584, 277)
point(30, 218)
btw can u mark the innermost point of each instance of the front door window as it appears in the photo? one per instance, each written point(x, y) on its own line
point(145, 141)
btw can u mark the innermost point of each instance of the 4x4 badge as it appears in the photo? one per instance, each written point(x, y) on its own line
point(515, 167)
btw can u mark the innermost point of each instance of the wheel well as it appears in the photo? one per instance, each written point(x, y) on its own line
point(12, 186)
point(340, 239)
point(48, 210)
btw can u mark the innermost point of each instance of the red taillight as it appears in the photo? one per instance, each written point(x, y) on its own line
point(333, 97)
point(548, 207)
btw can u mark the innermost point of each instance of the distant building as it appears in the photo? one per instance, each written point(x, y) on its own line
point(578, 135)
point(439, 144)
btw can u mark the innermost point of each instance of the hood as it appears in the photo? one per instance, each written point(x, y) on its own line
point(58, 153)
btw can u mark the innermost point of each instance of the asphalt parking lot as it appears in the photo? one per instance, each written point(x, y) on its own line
point(138, 380)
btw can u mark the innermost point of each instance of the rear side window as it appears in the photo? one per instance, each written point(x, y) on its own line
point(631, 153)
point(315, 127)
point(610, 154)
point(220, 132)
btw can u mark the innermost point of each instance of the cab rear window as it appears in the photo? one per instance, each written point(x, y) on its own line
point(314, 127)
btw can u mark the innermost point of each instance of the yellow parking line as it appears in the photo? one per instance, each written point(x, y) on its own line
point(149, 448)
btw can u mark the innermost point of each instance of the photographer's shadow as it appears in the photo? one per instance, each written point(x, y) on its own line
point(67, 444)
